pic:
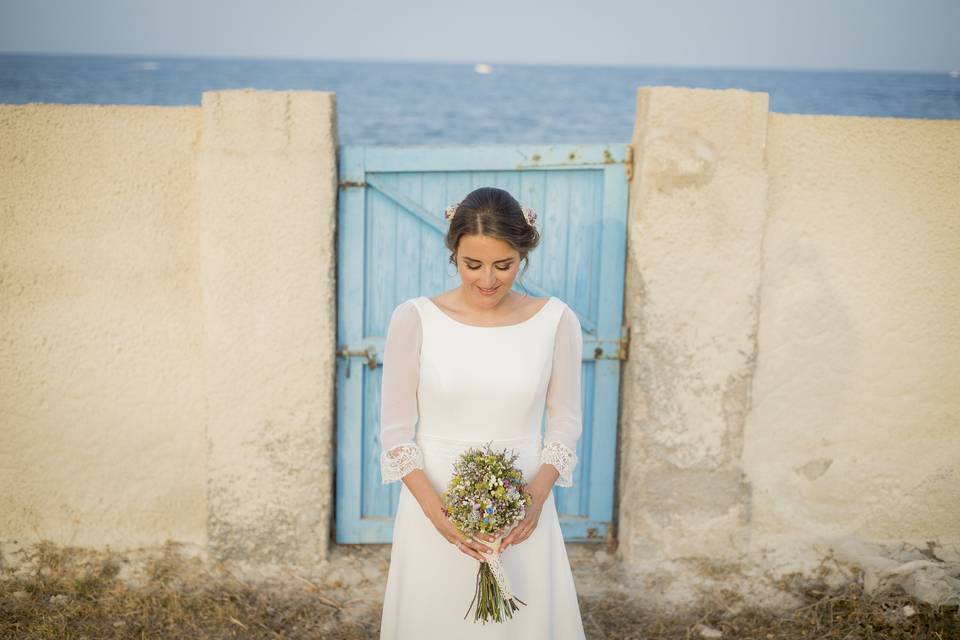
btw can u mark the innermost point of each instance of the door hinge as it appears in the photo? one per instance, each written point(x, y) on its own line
point(628, 160)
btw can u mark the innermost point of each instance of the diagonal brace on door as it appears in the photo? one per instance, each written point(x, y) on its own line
point(410, 205)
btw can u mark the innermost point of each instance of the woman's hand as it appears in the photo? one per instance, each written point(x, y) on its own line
point(525, 527)
point(432, 507)
point(469, 546)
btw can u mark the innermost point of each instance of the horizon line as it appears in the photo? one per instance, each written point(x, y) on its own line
point(493, 63)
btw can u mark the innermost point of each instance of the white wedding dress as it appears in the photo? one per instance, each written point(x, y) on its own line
point(448, 386)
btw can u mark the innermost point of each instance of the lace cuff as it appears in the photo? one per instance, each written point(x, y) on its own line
point(562, 458)
point(399, 460)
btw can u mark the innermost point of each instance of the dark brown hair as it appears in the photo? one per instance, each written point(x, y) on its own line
point(493, 212)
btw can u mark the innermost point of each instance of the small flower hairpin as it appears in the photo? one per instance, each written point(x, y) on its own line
point(449, 211)
point(528, 214)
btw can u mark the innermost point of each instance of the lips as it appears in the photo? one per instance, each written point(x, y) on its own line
point(488, 291)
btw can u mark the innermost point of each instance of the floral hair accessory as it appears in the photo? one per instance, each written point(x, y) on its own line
point(529, 215)
point(449, 211)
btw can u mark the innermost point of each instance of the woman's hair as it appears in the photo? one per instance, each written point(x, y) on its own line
point(493, 212)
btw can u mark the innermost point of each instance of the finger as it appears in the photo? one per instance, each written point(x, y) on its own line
point(517, 535)
point(478, 554)
point(469, 548)
point(481, 548)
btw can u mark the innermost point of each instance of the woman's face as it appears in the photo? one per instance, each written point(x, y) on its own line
point(487, 268)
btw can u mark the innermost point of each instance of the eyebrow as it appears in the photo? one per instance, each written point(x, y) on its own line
point(494, 262)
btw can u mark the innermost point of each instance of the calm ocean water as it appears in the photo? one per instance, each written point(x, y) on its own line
point(428, 103)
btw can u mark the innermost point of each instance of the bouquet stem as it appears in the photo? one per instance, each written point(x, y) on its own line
point(493, 603)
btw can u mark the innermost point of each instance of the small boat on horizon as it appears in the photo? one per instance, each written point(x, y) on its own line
point(481, 67)
point(955, 73)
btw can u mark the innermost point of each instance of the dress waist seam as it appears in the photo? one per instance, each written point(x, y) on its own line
point(424, 437)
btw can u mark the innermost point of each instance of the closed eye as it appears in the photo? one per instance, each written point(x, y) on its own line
point(507, 268)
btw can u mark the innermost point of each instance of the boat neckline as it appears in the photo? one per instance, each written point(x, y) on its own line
point(479, 326)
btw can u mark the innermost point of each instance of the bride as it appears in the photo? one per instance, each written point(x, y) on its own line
point(470, 367)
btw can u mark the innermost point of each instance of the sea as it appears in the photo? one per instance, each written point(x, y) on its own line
point(467, 103)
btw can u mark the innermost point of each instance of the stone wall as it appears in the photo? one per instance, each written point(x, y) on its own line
point(792, 295)
point(169, 324)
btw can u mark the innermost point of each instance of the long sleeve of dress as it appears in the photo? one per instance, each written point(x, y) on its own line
point(564, 416)
point(399, 411)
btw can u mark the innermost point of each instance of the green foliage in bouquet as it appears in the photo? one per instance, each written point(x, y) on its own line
point(486, 495)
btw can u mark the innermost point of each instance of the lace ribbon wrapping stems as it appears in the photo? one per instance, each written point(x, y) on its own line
point(496, 567)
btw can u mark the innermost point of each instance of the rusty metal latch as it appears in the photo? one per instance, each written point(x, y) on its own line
point(613, 349)
point(369, 354)
point(624, 351)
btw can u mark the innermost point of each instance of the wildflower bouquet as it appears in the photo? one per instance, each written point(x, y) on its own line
point(485, 495)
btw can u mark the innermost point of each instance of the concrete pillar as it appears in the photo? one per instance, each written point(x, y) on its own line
point(268, 186)
point(696, 223)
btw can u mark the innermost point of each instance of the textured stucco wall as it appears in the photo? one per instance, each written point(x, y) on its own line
point(101, 392)
point(855, 425)
point(792, 295)
point(169, 324)
point(697, 211)
point(268, 188)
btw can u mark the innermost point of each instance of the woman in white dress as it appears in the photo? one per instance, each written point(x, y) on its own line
point(474, 366)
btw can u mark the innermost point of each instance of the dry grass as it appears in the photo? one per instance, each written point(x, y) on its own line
point(843, 615)
point(68, 593)
point(74, 594)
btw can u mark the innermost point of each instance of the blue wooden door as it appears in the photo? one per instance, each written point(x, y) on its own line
point(390, 235)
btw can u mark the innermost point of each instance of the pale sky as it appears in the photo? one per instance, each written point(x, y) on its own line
point(907, 35)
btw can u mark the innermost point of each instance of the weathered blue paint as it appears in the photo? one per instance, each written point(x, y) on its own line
point(390, 246)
